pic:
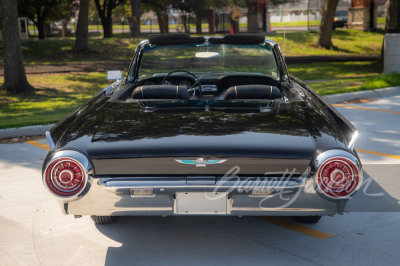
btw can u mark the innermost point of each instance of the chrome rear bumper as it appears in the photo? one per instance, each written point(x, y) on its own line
point(114, 196)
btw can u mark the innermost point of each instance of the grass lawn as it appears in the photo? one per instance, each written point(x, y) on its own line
point(380, 20)
point(339, 77)
point(56, 96)
point(59, 94)
point(348, 42)
point(58, 50)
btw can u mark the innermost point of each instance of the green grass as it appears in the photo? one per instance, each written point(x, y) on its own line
point(356, 84)
point(339, 77)
point(335, 70)
point(348, 42)
point(296, 23)
point(380, 20)
point(58, 50)
point(59, 94)
point(56, 96)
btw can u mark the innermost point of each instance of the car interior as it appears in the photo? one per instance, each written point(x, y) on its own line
point(181, 84)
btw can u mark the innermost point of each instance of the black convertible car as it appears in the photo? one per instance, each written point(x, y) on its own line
point(203, 126)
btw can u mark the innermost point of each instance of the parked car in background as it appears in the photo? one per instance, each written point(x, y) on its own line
point(204, 126)
point(340, 19)
point(57, 28)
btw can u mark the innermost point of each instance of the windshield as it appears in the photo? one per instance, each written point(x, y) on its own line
point(208, 58)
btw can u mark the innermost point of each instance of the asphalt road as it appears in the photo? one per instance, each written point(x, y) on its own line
point(34, 232)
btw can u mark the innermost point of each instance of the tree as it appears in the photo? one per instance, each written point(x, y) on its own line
point(105, 13)
point(161, 8)
point(326, 28)
point(185, 9)
point(42, 11)
point(64, 11)
point(15, 80)
point(82, 29)
point(135, 19)
point(199, 8)
point(393, 17)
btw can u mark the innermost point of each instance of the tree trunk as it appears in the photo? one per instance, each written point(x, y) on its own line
point(64, 31)
point(14, 71)
point(135, 23)
point(393, 17)
point(198, 25)
point(107, 27)
point(162, 19)
point(252, 16)
point(326, 28)
point(185, 23)
point(105, 14)
point(82, 29)
point(40, 27)
point(211, 21)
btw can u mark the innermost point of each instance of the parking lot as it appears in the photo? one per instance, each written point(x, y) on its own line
point(33, 230)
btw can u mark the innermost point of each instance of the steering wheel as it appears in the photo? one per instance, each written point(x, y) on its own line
point(195, 78)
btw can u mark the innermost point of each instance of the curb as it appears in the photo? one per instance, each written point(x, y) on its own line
point(332, 99)
point(24, 131)
point(348, 96)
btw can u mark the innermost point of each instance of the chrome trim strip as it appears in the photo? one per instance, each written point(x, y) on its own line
point(50, 140)
point(150, 209)
point(132, 183)
point(353, 140)
point(257, 209)
point(270, 42)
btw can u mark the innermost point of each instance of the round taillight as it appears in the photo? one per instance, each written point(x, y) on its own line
point(337, 177)
point(65, 177)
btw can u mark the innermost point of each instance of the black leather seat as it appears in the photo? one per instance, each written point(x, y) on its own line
point(161, 92)
point(253, 91)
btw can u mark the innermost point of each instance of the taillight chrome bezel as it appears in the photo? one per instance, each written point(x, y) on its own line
point(76, 157)
point(340, 156)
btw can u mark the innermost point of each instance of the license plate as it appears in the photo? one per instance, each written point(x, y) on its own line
point(201, 202)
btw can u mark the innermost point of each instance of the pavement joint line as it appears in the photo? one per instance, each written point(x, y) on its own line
point(296, 227)
point(379, 154)
point(365, 108)
point(38, 144)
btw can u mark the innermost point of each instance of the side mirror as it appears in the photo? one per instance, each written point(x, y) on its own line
point(114, 74)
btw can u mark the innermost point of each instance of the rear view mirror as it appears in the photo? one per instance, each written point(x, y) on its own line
point(114, 74)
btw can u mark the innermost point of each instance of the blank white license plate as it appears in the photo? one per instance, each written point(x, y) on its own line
point(201, 202)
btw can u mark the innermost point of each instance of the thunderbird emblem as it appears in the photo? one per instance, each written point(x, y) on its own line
point(200, 162)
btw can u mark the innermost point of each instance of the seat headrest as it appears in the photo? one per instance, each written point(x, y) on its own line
point(253, 91)
point(161, 92)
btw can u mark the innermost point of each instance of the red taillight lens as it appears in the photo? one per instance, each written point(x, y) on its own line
point(65, 177)
point(337, 177)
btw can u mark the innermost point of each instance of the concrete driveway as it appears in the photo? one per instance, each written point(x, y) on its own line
point(34, 232)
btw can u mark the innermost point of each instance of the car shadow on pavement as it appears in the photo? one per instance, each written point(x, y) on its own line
point(193, 240)
point(225, 240)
